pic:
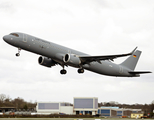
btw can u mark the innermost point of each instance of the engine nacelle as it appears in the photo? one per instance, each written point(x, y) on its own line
point(46, 61)
point(72, 59)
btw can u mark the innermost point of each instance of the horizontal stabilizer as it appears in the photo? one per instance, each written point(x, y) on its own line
point(139, 72)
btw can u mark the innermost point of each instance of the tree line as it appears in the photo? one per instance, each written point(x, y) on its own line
point(19, 103)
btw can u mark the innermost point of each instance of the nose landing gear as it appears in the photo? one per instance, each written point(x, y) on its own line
point(18, 54)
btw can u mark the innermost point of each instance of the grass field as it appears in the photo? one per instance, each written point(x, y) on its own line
point(56, 119)
point(49, 119)
point(67, 119)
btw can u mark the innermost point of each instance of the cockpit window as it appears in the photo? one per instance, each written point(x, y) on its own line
point(14, 34)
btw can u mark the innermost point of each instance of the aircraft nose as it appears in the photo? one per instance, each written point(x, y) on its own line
point(6, 38)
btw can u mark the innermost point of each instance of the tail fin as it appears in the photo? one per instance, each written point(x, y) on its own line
point(132, 60)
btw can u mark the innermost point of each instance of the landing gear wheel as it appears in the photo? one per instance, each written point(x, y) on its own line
point(80, 70)
point(17, 54)
point(63, 72)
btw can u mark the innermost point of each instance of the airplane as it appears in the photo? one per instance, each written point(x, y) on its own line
point(53, 54)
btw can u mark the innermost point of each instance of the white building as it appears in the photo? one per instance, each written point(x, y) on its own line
point(116, 111)
point(85, 105)
point(54, 108)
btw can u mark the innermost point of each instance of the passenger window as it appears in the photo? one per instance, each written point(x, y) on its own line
point(14, 34)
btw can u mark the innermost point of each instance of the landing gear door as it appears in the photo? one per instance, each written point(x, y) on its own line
point(120, 70)
point(24, 38)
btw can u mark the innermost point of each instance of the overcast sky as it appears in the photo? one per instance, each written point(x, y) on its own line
point(96, 27)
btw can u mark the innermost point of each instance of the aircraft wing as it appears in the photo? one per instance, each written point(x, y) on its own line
point(88, 59)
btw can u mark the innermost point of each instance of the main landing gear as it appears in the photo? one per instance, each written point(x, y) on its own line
point(63, 71)
point(18, 54)
point(81, 70)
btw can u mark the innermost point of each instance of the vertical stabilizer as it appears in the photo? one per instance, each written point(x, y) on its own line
point(132, 60)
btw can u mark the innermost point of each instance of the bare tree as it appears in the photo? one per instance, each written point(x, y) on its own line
point(2, 98)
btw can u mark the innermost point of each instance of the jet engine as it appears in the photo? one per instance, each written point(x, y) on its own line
point(72, 59)
point(48, 62)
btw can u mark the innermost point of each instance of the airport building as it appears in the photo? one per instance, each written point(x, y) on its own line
point(83, 106)
point(116, 111)
point(54, 108)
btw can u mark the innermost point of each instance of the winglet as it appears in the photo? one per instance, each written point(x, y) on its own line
point(133, 51)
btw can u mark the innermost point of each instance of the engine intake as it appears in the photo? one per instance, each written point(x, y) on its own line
point(72, 59)
point(47, 62)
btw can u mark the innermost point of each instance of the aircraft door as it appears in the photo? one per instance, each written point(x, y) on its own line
point(120, 69)
point(24, 38)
